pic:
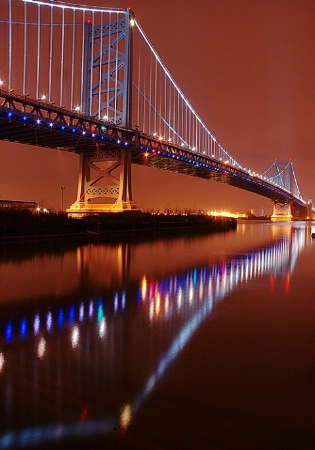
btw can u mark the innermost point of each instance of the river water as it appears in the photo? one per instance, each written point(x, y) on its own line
point(187, 342)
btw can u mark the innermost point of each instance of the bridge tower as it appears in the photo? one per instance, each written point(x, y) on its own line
point(284, 176)
point(107, 83)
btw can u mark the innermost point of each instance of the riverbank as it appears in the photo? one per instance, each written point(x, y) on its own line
point(22, 225)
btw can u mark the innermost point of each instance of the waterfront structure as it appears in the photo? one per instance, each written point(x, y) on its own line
point(9, 205)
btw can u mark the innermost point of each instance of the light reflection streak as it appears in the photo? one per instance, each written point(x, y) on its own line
point(75, 334)
point(192, 295)
point(1, 361)
point(41, 349)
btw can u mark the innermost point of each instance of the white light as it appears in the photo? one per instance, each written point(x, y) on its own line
point(102, 328)
point(41, 349)
point(77, 108)
point(132, 22)
point(75, 336)
point(105, 117)
point(43, 97)
point(1, 83)
point(1, 361)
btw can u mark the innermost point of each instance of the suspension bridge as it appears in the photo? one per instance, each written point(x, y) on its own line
point(88, 80)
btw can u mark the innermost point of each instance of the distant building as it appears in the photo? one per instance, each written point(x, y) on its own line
point(257, 212)
point(18, 205)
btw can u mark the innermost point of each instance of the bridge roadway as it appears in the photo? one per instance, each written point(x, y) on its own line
point(39, 123)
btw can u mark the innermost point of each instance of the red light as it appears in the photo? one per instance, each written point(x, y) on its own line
point(89, 21)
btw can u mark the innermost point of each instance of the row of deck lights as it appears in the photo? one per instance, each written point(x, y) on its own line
point(160, 138)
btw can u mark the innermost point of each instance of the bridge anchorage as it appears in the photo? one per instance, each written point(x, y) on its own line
point(90, 77)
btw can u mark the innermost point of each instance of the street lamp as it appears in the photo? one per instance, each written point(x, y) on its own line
point(62, 189)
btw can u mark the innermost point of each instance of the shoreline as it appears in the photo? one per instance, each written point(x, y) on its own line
point(21, 225)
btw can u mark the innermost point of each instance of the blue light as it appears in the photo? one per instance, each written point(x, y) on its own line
point(36, 325)
point(24, 118)
point(116, 303)
point(8, 332)
point(73, 130)
point(9, 114)
point(60, 318)
point(91, 309)
point(71, 314)
point(100, 311)
point(123, 300)
point(23, 328)
point(49, 321)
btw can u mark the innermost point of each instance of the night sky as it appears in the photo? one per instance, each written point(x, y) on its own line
point(248, 69)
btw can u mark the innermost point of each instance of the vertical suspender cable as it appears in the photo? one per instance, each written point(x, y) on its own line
point(144, 93)
point(150, 94)
point(10, 45)
point(108, 64)
point(72, 59)
point(155, 99)
point(138, 100)
point(38, 52)
point(82, 58)
point(62, 55)
point(50, 53)
point(100, 72)
point(116, 68)
point(25, 47)
point(165, 105)
point(92, 65)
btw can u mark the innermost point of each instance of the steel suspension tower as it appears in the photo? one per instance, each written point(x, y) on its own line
point(107, 83)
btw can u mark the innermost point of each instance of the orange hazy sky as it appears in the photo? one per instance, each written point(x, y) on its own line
point(246, 66)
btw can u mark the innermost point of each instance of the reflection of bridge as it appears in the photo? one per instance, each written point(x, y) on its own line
point(118, 104)
point(92, 336)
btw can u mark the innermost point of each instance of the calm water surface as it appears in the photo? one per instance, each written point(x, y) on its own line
point(203, 342)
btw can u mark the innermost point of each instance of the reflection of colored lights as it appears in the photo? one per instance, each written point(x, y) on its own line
point(166, 304)
point(71, 314)
point(157, 305)
point(75, 334)
point(81, 312)
point(125, 416)
point(100, 311)
point(1, 361)
point(179, 298)
point(60, 318)
point(91, 309)
point(143, 287)
point(36, 325)
point(116, 302)
point(49, 321)
point(41, 349)
point(8, 332)
point(123, 300)
point(23, 328)
point(102, 328)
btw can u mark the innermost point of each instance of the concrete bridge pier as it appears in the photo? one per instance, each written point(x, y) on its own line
point(281, 211)
point(100, 189)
